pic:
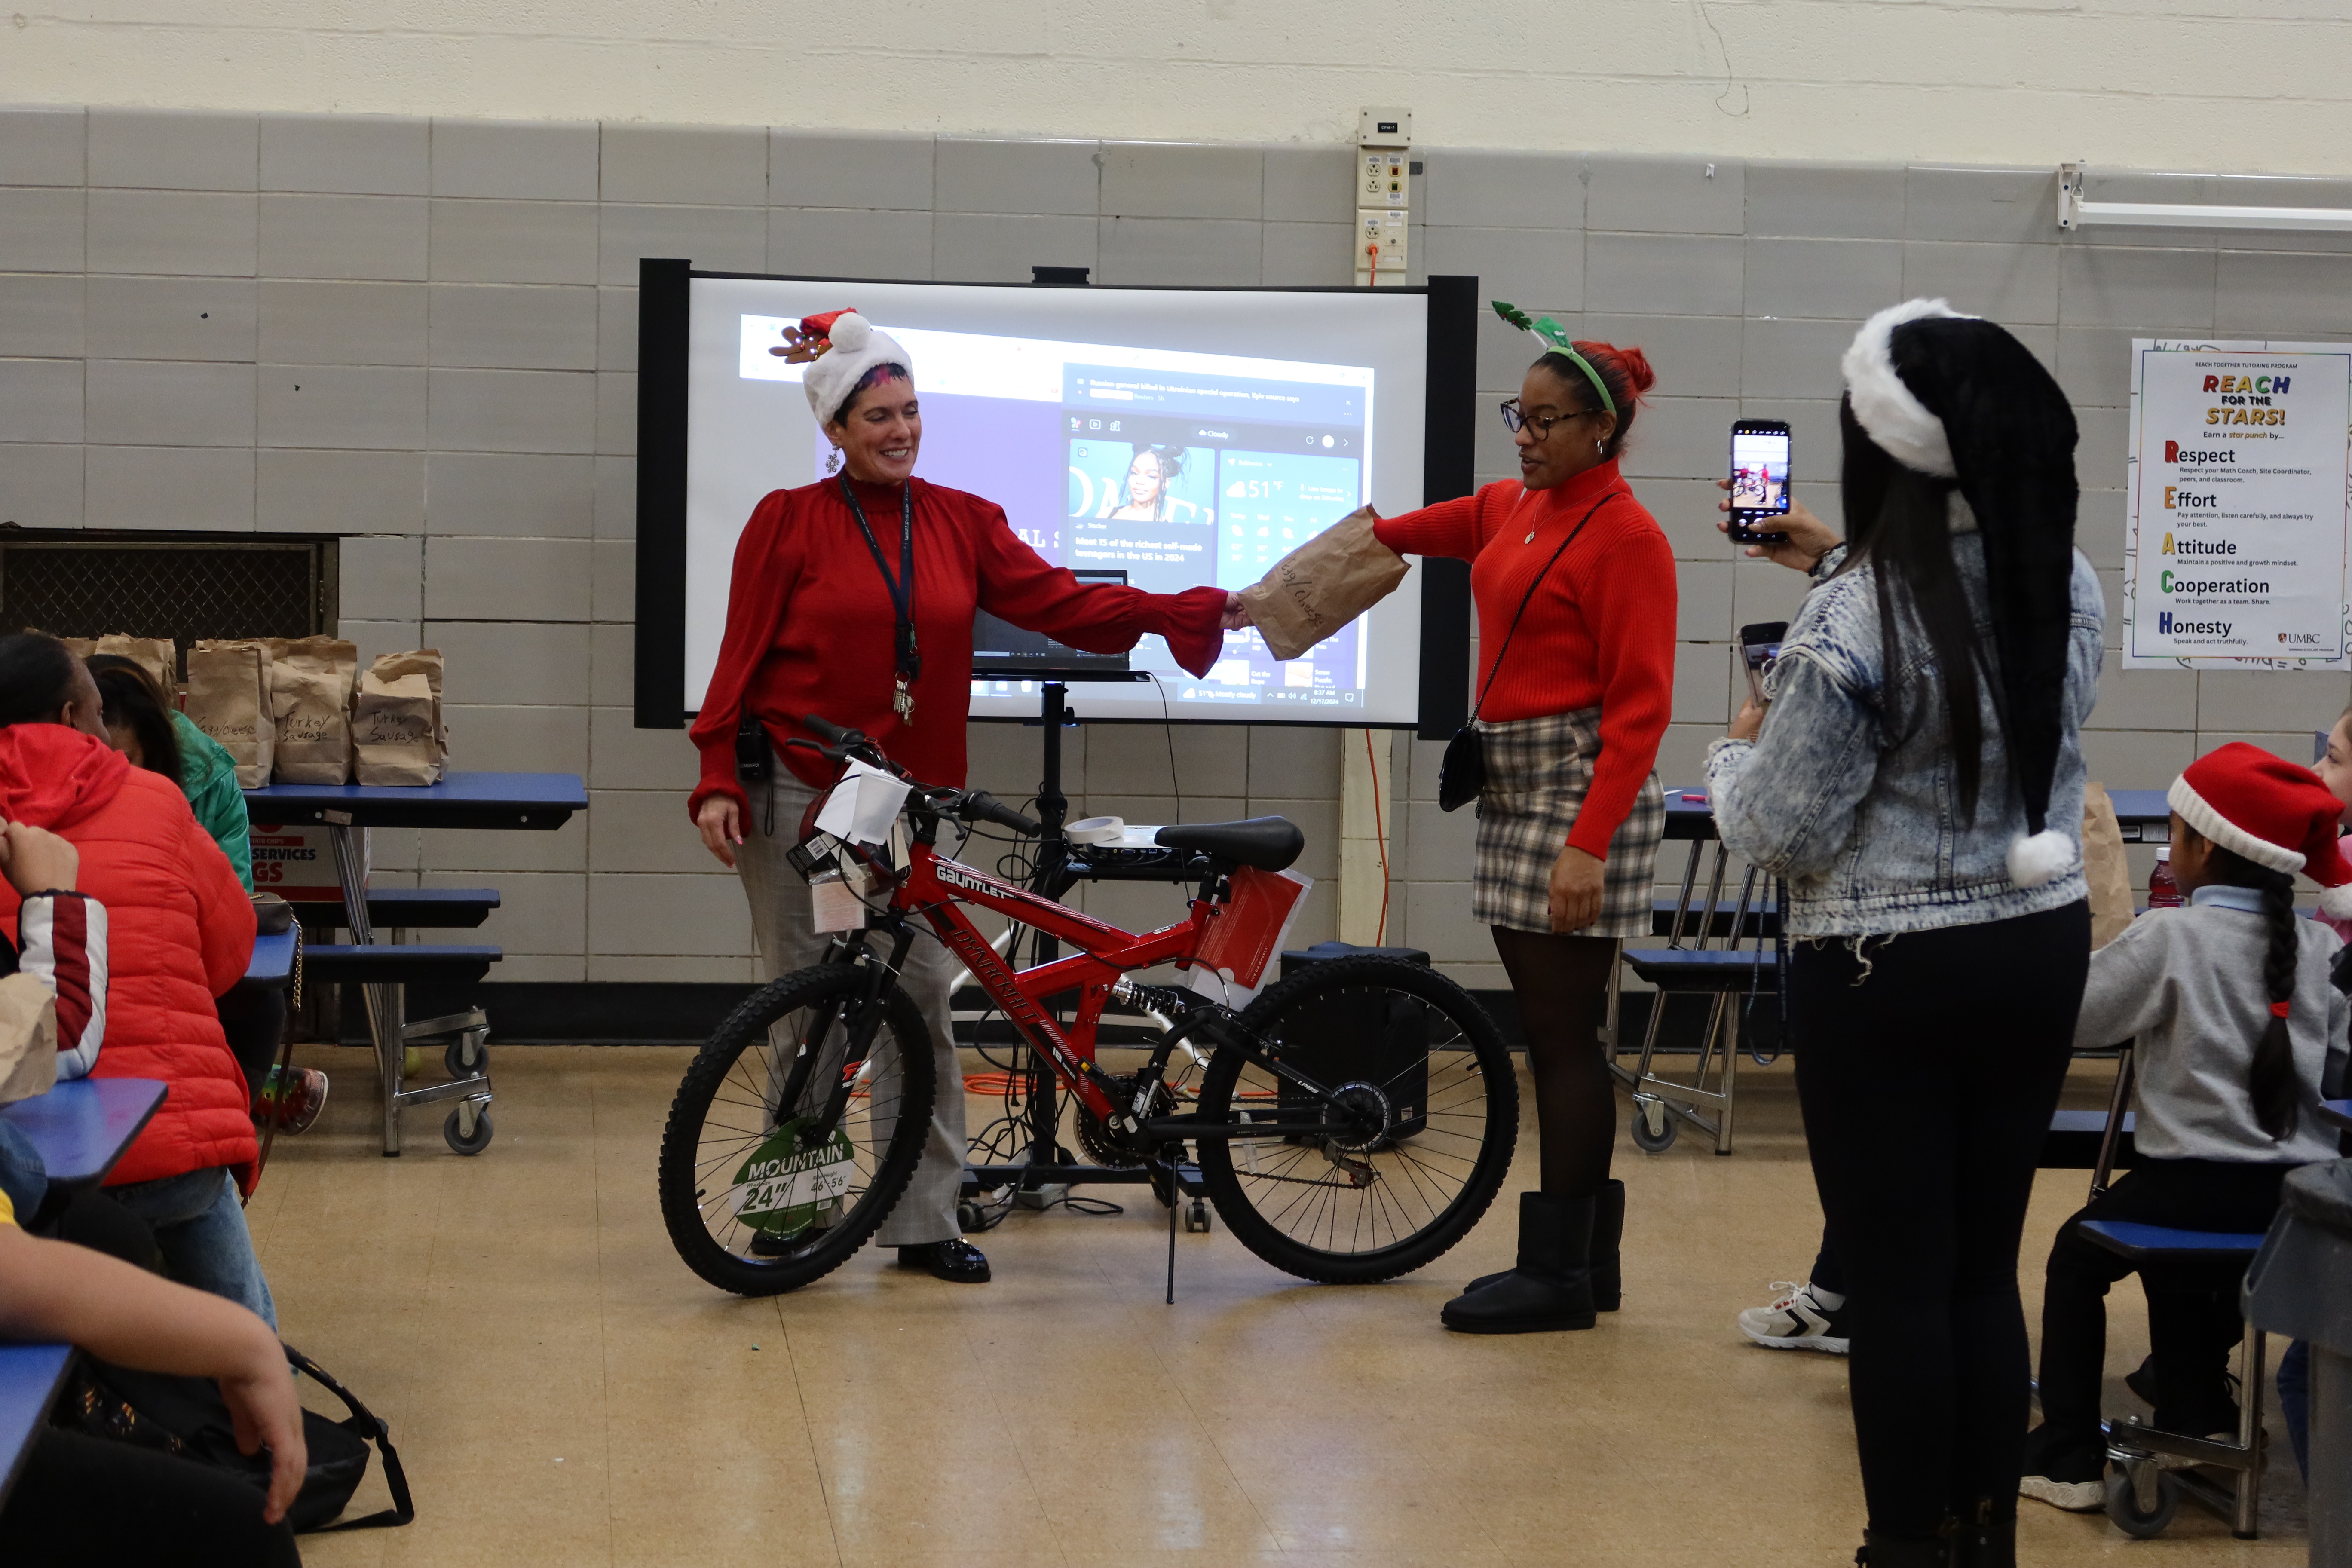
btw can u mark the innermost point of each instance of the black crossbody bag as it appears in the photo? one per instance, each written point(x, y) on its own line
point(1463, 775)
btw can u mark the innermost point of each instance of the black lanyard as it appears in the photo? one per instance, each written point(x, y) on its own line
point(901, 588)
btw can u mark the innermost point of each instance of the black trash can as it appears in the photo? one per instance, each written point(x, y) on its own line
point(1379, 1040)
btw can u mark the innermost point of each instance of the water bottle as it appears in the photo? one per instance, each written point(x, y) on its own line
point(2163, 892)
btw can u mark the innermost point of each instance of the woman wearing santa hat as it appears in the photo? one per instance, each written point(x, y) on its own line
point(852, 600)
point(1918, 779)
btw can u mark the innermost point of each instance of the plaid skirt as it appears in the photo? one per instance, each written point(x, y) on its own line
point(1537, 773)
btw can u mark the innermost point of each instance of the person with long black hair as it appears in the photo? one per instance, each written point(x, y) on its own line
point(2240, 1033)
point(1917, 778)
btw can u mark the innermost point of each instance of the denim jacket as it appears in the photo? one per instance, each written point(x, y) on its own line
point(1856, 805)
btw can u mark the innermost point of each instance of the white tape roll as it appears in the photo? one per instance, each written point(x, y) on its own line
point(1096, 830)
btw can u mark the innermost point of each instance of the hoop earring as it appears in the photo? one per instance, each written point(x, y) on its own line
point(832, 461)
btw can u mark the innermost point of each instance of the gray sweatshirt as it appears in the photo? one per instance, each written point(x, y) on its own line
point(2188, 983)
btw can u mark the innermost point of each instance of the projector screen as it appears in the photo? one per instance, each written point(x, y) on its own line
point(1178, 437)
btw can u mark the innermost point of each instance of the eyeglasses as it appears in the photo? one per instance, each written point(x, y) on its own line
point(1516, 419)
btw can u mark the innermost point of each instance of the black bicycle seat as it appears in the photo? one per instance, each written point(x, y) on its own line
point(1268, 843)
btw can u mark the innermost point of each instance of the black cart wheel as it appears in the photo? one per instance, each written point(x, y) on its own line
point(2122, 1501)
point(1654, 1127)
point(755, 1202)
point(454, 1133)
point(453, 1058)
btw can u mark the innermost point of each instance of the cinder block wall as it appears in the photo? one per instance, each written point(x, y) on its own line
point(421, 335)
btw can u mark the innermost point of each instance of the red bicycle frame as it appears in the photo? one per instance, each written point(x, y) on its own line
point(936, 887)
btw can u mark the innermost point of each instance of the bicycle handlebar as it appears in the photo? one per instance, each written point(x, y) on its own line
point(971, 805)
point(981, 804)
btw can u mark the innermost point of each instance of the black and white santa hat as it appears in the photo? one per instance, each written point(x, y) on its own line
point(1958, 398)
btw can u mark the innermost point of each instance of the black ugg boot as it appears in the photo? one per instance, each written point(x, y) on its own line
point(1552, 1285)
point(1884, 1551)
point(1607, 1229)
point(1985, 1540)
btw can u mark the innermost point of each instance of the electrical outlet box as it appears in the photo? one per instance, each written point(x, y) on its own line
point(1384, 177)
point(1380, 255)
point(1385, 128)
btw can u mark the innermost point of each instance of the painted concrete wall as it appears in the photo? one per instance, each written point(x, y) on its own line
point(2249, 88)
point(421, 335)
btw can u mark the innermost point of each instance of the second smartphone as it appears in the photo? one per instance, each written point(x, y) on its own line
point(1759, 480)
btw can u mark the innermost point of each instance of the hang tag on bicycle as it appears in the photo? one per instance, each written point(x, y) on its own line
point(833, 904)
point(784, 1187)
point(863, 806)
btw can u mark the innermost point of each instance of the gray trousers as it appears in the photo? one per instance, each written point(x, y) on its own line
point(784, 929)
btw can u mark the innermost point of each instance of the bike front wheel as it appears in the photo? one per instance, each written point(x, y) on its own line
point(1419, 1114)
point(757, 1197)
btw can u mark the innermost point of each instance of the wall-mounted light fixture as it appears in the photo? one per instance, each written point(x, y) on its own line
point(2073, 212)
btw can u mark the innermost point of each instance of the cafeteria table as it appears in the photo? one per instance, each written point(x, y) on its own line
point(535, 802)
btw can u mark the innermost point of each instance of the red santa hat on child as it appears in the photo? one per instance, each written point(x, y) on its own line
point(2267, 810)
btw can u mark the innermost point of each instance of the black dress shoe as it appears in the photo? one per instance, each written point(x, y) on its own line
point(958, 1261)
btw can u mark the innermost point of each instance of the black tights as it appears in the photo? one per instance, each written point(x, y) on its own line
point(1560, 982)
point(1928, 1074)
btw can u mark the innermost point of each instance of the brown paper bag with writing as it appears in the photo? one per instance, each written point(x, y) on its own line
point(228, 699)
point(310, 683)
point(1323, 585)
point(2111, 906)
point(396, 721)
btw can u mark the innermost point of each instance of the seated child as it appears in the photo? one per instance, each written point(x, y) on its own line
point(2238, 1028)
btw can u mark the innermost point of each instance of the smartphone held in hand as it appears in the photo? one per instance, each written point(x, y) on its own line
point(1760, 645)
point(1759, 480)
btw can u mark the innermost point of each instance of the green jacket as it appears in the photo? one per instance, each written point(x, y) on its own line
point(208, 775)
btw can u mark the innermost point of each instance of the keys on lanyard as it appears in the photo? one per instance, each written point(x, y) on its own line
point(901, 590)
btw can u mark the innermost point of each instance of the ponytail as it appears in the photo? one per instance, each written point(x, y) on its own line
point(2277, 1093)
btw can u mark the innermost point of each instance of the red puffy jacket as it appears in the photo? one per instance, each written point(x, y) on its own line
point(180, 931)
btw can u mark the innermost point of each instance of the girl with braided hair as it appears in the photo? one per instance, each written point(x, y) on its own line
point(2239, 1034)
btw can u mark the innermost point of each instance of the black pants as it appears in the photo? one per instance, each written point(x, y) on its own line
point(253, 1024)
point(85, 1502)
point(2193, 1319)
point(1927, 1072)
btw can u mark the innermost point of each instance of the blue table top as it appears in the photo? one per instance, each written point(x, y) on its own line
point(2338, 1111)
point(29, 1378)
point(459, 800)
point(82, 1127)
point(273, 961)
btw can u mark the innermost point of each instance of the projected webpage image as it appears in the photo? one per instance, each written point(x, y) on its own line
point(1176, 468)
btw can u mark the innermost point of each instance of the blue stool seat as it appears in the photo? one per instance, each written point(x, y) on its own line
point(1679, 969)
point(2163, 1243)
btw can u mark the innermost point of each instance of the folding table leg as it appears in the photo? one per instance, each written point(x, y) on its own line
point(384, 1003)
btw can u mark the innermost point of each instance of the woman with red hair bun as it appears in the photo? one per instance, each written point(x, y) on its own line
point(1575, 586)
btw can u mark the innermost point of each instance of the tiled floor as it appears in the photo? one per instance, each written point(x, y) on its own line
point(565, 1391)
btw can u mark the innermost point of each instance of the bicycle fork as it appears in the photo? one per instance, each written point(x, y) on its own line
point(858, 1043)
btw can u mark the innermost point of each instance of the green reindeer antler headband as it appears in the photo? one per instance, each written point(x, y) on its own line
point(1554, 338)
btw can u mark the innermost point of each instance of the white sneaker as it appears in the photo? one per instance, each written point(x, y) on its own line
point(2075, 1497)
point(1797, 1321)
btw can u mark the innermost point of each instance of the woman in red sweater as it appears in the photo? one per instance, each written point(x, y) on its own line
point(818, 621)
point(1575, 587)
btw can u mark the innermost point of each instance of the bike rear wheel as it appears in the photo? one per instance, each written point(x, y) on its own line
point(1419, 1143)
point(753, 1201)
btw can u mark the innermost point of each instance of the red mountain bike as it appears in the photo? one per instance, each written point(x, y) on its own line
point(799, 1125)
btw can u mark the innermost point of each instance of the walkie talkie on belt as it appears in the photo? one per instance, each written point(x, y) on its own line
point(754, 762)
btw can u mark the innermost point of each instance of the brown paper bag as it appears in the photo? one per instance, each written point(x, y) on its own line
point(156, 656)
point(28, 1038)
point(2103, 864)
point(1323, 585)
point(228, 699)
point(396, 719)
point(310, 683)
